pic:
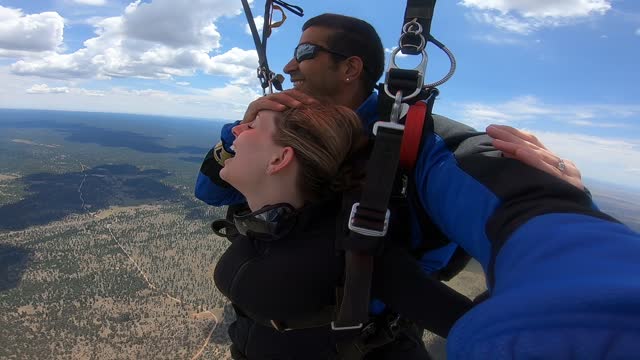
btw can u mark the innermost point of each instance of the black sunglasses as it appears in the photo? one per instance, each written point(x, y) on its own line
point(307, 51)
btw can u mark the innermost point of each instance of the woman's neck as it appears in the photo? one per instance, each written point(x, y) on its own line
point(275, 192)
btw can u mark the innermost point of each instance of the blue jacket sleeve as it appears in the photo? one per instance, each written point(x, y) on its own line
point(558, 269)
point(210, 188)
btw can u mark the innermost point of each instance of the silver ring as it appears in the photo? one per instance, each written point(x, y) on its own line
point(562, 166)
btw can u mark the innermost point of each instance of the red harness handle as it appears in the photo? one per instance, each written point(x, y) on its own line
point(412, 135)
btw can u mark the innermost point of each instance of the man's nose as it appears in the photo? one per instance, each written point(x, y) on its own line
point(291, 66)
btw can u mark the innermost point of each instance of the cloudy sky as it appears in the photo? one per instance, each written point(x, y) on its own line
point(564, 69)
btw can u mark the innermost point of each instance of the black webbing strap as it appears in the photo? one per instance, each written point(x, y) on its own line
point(263, 68)
point(380, 175)
point(422, 10)
point(368, 224)
point(293, 8)
point(354, 308)
point(266, 28)
point(405, 80)
point(265, 75)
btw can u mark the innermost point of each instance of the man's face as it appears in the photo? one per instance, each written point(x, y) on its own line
point(319, 76)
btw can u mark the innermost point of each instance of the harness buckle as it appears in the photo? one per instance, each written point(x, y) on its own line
point(340, 328)
point(365, 231)
point(279, 326)
point(388, 125)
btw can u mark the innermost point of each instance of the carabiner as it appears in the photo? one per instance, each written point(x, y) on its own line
point(421, 69)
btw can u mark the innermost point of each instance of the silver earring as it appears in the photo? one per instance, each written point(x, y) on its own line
point(348, 79)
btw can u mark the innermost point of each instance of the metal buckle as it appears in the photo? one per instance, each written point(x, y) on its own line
point(386, 124)
point(365, 231)
point(339, 328)
point(276, 325)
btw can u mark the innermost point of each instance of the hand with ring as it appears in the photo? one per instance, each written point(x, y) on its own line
point(524, 146)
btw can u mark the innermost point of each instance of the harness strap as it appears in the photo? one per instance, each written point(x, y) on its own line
point(263, 65)
point(412, 135)
point(368, 222)
point(265, 75)
point(422, 11)
point(381, 170)
point(297, 10)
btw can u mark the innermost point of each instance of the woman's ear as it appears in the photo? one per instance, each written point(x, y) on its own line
point(280, 160)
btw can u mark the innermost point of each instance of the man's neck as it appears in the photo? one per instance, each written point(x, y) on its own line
point(351, 99)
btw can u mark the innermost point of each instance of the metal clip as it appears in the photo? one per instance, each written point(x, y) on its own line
point(396, 108)
point(412, 28)
point(421, 69)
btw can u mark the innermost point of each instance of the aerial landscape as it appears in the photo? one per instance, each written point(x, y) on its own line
point(104, 251)
point(108, 108)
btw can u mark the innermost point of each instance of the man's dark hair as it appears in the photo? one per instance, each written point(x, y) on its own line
point(353, 37)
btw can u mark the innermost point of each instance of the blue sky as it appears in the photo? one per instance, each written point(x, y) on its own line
point(566, 70)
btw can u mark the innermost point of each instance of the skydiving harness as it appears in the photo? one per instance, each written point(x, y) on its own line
point(268, 79)
point(397, 144)
point(407, 103)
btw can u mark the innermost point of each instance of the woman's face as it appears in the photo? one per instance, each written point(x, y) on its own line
point(254, 149)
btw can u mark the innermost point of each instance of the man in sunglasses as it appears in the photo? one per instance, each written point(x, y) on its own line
point(341, 58)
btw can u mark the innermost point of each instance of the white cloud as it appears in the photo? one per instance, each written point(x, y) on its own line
point(227, 102)
point(151, 41)
point(29, 33)
point(526, 16)
point(183, 83)
point(586, 123)
point(91, 2)
point(259, 21)
point(543, 8)
point(499, 40)
point(529, 108)
point(45, 89)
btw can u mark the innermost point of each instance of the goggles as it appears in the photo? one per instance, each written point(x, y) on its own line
point(269, 223)
point(307, 51)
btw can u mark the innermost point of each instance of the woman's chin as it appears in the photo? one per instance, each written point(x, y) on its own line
point(224, 174)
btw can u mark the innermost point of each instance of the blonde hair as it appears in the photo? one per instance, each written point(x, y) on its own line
point(324, 138)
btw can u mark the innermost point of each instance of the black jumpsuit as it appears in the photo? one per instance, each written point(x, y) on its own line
point(295, 277)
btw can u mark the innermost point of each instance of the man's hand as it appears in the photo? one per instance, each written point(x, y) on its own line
point(523, 146)
point(277, 102)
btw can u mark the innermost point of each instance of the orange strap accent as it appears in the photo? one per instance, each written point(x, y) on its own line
point(276, 24)
point(412, 135)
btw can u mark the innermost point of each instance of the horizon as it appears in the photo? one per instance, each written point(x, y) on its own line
point(588, 180)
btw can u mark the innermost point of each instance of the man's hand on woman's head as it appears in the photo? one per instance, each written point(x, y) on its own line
point(524, 146)
point(277, 102)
